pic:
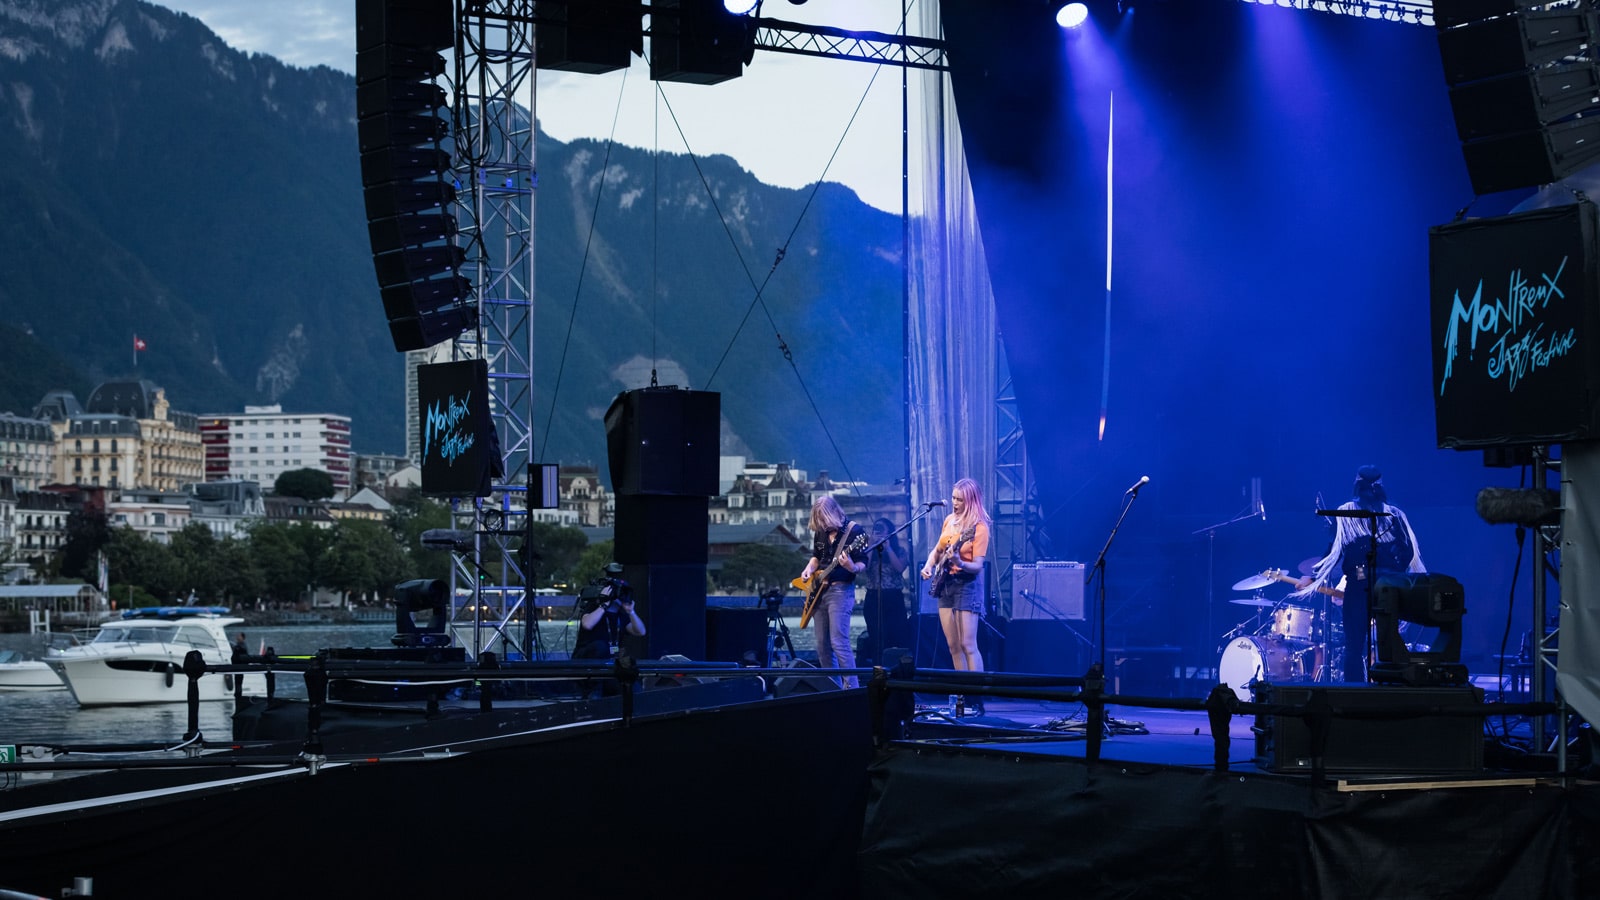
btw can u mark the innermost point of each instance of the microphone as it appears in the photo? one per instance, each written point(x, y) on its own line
point(1531, 506)
point(932, 503)
point(1134, 491)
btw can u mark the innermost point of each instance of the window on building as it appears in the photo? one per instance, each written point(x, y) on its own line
point(77, 446)
point(158, 518)
point(96, 448)
point(113, 445)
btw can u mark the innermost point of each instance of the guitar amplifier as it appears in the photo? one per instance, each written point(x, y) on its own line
point(1047, 590)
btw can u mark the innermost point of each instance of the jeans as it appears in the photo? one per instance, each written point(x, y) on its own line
point(832, 623)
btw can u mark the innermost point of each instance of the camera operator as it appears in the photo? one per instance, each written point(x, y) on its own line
point(606, 612)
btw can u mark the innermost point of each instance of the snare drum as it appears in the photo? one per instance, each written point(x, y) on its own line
point(1247, 660)
point(1296, 623)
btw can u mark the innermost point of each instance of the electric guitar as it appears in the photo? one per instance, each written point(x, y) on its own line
point(941, 569)
point(1277, 575)
point(818, 582)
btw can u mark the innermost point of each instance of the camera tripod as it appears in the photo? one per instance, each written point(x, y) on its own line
point(777, 629)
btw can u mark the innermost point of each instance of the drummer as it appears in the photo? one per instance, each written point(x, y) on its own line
point(1397, 552)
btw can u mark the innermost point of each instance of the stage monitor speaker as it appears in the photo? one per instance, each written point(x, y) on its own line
point(664, 441)
point(785, 685)
point(661, 529)
point(1529, 158)
point(1380, 742)
point(731, 633)
point(1047, 590)
point(671, 602)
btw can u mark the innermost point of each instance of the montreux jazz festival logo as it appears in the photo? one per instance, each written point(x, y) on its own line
point(449, 424)
point(1513, 328)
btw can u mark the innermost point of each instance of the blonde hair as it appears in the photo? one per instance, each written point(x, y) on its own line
point(972, 496)
point(826, 514)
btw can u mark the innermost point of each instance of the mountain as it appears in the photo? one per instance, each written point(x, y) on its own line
point(160, 183)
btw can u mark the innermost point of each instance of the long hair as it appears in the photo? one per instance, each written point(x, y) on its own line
point(826, 515)
point(974, 512)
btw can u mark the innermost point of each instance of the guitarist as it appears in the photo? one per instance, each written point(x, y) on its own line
point(955, 566)
point(831, 535)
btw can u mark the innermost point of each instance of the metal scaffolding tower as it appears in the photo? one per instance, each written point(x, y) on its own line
point(494, 110)
point(1018, 528)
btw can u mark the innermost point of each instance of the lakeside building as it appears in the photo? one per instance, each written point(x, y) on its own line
point(226, 507)
point(125, 436)
point(41, 527)
point(264, 442)
point(27, 451)
point(157, 515)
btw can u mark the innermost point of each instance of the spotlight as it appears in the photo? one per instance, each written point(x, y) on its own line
point(1072, 15)
point(740, 7)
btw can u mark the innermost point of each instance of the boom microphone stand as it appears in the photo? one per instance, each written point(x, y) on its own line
point(1099, 569)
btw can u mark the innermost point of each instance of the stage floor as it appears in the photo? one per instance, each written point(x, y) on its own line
point(1180, 738)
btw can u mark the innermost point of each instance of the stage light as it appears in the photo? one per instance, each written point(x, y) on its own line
point(1429, 600)
point(740, 7)
point(1072, 15)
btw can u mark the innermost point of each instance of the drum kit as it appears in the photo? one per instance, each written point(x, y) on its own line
point(1282, 640)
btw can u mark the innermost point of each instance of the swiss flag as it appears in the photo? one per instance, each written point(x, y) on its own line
point(138, 343)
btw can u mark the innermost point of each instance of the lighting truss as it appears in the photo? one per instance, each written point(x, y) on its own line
point(495, 168)
point(1419, 12)
point(837, 43)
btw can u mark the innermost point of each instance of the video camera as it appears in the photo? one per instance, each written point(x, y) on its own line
point(608, 590)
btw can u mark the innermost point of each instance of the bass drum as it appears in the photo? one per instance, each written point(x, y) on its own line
point(1247, 660)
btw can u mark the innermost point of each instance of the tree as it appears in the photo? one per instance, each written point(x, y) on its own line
point(134, 559)
point(307, 484)
point(757, 567)
point(285, 568)
point(194, 549)
point(88, 532)
point(559, 547)
point(591, 563)
point(364, 559)
point(412, 516)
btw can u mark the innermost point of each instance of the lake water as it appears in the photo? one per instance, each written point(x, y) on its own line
point(54, 718)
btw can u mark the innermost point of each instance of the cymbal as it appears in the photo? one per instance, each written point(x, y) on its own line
point(1253, 583)
point(1254, 601)
point(1352, 513)
point(1309, 566)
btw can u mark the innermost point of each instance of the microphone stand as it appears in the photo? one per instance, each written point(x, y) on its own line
point(1099, 571)
point(911, 558)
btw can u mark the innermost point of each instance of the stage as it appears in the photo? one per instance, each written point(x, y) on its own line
point(1008, 804)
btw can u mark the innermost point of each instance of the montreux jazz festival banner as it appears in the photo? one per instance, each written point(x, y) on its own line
point(458, 443)
point(1512, 311)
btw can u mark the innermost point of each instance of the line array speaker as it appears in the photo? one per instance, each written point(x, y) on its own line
point(402, 127)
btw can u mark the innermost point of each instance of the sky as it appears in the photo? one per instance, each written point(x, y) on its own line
point(782, 120)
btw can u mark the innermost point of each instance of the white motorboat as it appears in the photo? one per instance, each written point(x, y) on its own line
point(18, 674)
point(138, 658)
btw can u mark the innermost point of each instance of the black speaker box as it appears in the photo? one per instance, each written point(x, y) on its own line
point(661, 529)
point(426, 24)
point(664, 441)
point(1383, 743)
point(671, 602)
point(731, 633)
point(814, 683)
